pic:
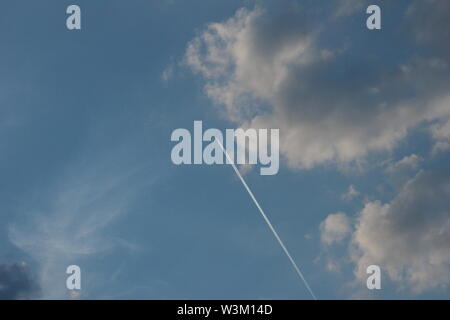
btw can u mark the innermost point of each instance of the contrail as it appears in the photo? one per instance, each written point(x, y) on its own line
point(297, 269)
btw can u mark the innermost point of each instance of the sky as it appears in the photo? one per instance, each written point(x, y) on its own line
point(86, 118)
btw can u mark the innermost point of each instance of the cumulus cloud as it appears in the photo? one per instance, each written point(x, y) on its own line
point(276, 69)
point(272, 70)
point(17, 283)
point(335, 228)
point(408, 237)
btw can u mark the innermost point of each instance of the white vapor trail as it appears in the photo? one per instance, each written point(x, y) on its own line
point(297, 269)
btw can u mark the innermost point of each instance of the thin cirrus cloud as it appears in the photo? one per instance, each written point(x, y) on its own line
point(70, 223)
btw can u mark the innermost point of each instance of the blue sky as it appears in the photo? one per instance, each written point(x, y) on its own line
point(85, 124)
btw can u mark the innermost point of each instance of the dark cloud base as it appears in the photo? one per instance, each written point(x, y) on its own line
point(17, 282)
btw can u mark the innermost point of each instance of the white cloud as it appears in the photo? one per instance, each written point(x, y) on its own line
point(351, 193)
point(71, 222)
point(274, 70)
point(167, 73)
point(408, 162)
point(335, 228)
point(441, 133)
point(270, 70)
point(409, 237)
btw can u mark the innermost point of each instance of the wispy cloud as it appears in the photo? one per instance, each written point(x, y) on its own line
point(72, 223)
point(351, 193)
point(410, 162)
